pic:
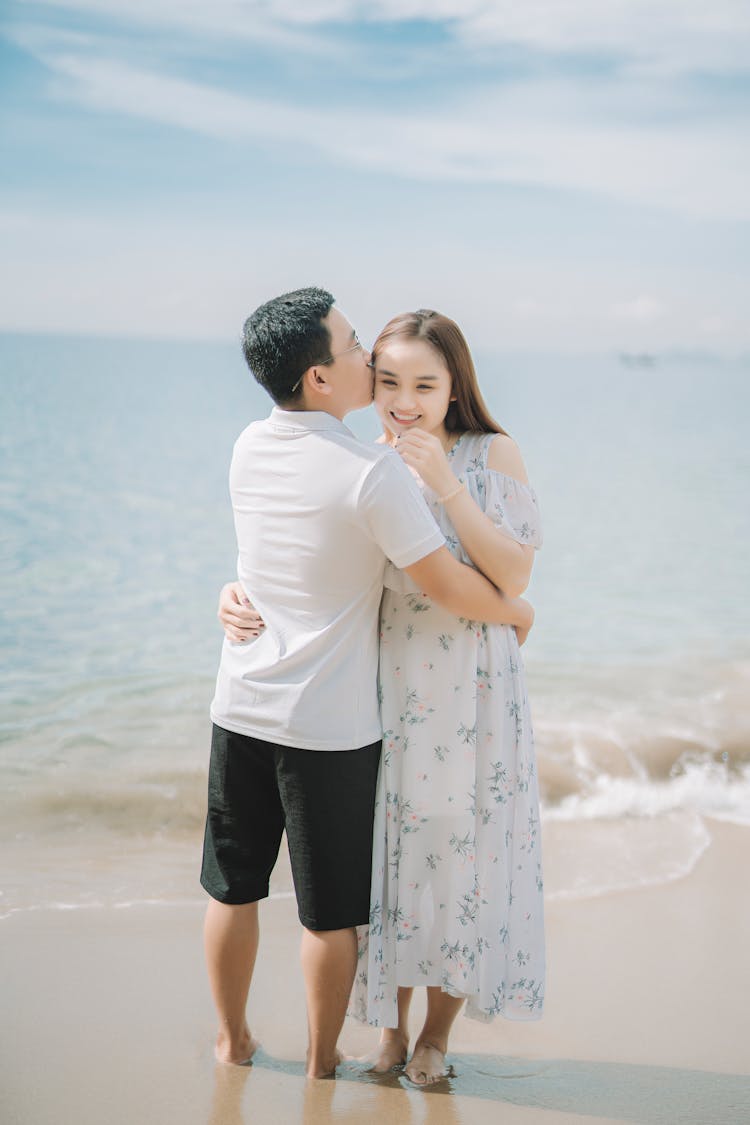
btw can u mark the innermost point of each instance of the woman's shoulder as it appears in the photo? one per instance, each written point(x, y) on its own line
point(504, 456)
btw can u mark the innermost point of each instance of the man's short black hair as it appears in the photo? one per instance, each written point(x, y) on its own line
point(284, 337)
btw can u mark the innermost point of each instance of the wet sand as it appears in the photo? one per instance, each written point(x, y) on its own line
point(108, 1018)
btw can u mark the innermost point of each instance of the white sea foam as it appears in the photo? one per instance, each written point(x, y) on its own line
point(125, 904)
point(597, 857)
point(705, 788)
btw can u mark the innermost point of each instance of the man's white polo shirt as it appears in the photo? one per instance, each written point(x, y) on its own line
point(317, 514)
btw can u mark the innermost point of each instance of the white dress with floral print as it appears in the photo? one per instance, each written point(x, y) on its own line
point(457, 878)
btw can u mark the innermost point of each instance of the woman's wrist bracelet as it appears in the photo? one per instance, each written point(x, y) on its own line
point(450, 495)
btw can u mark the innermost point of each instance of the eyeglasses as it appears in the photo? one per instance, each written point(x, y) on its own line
point(355, 346)
point(325, 362)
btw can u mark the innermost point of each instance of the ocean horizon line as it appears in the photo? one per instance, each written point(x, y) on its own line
point(628, 356)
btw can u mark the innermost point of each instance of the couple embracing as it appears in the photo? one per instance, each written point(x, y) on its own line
point(370, 701)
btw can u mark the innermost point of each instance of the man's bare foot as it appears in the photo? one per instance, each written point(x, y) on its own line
point(390, 1053)
point(323, 1068)
point(239, 1053)
point(427, 1065)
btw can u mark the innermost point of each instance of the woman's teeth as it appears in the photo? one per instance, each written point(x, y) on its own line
point(405, 417)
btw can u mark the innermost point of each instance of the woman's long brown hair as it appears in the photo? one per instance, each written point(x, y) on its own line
point(468, 414)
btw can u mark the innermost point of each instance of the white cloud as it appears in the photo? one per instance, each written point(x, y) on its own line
point(166, 276)
point(712, 325)
point(545, 135)
point(623, 135)
point(639, 310)
point(667, 34)
point(220, 20)
point(106, 85)
point(677, 34)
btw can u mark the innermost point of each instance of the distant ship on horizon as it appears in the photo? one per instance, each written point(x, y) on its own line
point(637, 359)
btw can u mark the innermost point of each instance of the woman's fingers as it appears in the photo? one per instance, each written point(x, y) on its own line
point(411, 454)
point(418, 439)
point(238, 616)
point(241, 636)
point(239, 621)
point(248, 616)
point(232, 599)
point(243, 617)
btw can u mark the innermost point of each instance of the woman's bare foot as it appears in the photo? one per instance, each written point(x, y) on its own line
point(239, 1053)
point(427, 1065)
point(390, 1053)
point(325, 1069)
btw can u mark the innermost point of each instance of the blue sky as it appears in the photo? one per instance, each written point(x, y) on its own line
point(555, 175)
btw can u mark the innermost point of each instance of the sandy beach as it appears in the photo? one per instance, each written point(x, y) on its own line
point(108, 1019)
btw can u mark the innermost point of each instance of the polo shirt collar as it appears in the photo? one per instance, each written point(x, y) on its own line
point(302, 420)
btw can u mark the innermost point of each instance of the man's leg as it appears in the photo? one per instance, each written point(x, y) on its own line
point(244, 826)
point(328, 797)
point(231, 944)
point(329, 961)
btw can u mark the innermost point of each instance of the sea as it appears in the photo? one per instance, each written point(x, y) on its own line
point(117, 535)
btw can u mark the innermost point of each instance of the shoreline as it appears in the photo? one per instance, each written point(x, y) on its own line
point(646, 1019)
point(582, 859)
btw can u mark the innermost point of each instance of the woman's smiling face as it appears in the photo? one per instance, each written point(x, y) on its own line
point(412, 386)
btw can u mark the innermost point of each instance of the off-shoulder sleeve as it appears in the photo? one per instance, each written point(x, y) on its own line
point(513, 508)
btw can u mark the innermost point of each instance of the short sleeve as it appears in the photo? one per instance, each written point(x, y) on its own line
point(513, 508)
point(396, 514)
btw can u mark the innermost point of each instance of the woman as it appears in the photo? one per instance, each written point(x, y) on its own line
point(456, 900)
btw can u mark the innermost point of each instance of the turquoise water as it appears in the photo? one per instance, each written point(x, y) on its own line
point(117, 534)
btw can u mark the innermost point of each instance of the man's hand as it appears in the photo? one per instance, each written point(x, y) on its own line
point(522, 631)
point(237, 614)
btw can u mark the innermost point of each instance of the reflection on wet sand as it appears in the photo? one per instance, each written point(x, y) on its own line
point(644, 1095)
point(229, 1086)
point(276, 1089)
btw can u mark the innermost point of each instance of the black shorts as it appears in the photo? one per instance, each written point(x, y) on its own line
point(324, 798)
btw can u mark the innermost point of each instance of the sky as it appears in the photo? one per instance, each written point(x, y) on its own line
point(565, 175)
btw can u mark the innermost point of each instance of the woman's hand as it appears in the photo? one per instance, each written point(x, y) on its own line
point(237, 614)
point(424, 453)
point(522, 631)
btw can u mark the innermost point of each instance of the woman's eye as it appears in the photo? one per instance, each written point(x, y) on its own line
point(388, 382)
point(424, 388)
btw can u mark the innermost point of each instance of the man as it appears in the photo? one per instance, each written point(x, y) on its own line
point(296, 738)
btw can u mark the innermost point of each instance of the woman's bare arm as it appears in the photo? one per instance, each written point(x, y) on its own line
point(464, 592)
point(503, 560)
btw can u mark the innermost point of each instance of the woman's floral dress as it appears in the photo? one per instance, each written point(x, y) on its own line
point(457, 877)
